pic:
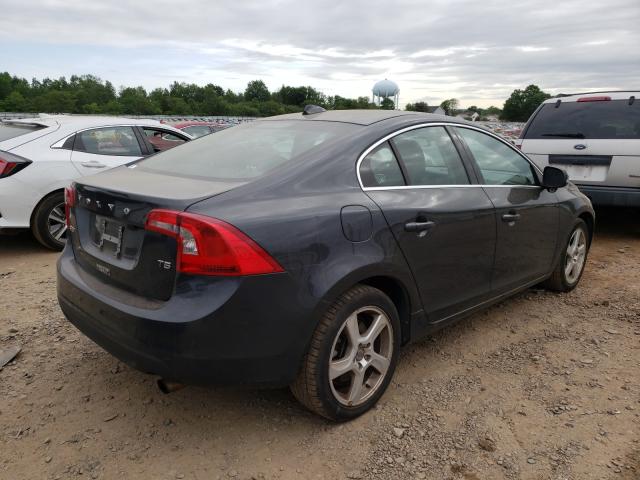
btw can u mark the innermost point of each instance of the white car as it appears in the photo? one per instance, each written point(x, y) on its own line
point(40, 156)
point(595, 137)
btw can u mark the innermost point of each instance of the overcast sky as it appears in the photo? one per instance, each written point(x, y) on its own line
point(476, 51)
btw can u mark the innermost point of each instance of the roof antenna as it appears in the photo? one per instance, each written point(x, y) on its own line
point(632, 99)
point(558, 102)
point(311, 109)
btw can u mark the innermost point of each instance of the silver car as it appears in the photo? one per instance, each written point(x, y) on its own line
point(595, 138)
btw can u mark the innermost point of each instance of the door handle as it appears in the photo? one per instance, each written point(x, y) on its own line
point(510, 217)
point(418, 226)
point(93, 164)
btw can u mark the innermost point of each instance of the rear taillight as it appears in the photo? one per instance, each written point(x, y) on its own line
point(9, 166)
point(594, 99)
point(208, 246)
point(69, 202)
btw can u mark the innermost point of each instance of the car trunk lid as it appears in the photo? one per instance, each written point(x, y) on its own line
point(109, 236)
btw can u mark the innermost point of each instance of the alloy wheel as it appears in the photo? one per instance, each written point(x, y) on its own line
point(576, 255)
point(360, 356)
point(57, 223)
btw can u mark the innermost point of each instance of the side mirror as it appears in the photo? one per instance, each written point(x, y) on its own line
point(553, 177)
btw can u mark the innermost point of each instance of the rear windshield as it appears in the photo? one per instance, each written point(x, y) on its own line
point(12, 130)
point(605, 119)
point(247, 151)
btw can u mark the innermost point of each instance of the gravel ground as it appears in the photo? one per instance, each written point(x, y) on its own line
point(541, 386)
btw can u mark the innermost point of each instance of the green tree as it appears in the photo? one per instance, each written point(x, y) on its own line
point(256, 91)
point(522, 103)
point(417, 107)
point(14, 102)
point(387, 104)
point(450, 106)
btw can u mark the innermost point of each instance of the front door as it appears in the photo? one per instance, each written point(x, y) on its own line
point(444, 225)
point(526, 214)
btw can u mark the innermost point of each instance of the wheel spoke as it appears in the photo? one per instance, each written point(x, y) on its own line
point(352, 330)
point(379, 362)
point(569, 268)
point(60, 232)
point(357, 383)
point(56, 217)
point(377, 326)
point(339, 367)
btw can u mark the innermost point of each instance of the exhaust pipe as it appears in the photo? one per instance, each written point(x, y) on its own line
point(167, 386)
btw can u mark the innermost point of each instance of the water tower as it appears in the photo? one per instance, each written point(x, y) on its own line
point(386, 89)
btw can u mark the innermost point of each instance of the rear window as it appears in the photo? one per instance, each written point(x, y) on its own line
point(598, 120)
point(247, 151)
point(9, 130)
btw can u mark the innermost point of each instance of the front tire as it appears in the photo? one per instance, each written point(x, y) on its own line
point(49, 222)
point(352, 356)
point(572, 261)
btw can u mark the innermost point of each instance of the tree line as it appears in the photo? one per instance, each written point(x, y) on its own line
point(91, 95)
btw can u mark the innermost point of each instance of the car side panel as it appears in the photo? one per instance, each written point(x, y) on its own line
point(21, 193)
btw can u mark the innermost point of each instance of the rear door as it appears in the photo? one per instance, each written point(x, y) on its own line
point(102, 148)
point(444, 225)
point(595, 139)
point(526, 214)
point(158, 139)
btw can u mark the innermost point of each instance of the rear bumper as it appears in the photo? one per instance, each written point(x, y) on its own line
point(230, 332)
point(612, 196)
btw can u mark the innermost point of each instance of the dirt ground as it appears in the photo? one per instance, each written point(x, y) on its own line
point(541, 386)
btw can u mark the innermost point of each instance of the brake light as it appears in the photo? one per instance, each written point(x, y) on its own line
point(594, 99)
point(208, 246)
point(69, 202)
point(9, 167)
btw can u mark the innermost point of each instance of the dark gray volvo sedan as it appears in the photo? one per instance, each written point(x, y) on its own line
point(306, 249)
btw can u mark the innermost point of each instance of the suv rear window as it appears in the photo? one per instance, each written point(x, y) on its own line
point(247, 151)
point(13, 130)
point(598, 120)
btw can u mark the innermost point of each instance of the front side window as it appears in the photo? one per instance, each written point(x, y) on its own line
point(380, 168)
point(430, 157)
point(108, 141)
point(499, 164)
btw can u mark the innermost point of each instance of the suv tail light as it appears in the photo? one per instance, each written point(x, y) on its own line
point(69, 202)
point(208, 246)
point(11, 164)
point(594, 99)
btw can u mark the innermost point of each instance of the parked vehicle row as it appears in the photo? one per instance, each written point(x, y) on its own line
point(39, 157)
point(307, 249)
point(595, 138)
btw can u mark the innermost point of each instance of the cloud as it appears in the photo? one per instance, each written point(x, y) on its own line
point(475, 51)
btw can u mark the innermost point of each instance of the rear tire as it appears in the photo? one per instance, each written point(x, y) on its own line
point(352, 355)
point(573, 260)
point(49, 223)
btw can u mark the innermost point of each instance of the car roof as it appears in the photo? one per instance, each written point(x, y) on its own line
point(615, 95)
point(193, 123)
point(359, 117)
point(82, 120)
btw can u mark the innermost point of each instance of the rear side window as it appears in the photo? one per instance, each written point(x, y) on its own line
point(108, 141)
point(13, 130)
point(380, 168)
point(499, 164)
point(248, 151)
point(430, 157)
point(597, 120)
